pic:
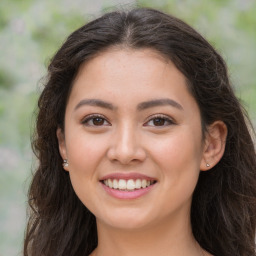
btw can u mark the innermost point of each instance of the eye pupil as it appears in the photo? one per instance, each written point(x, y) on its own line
point(98, 121)
point(159, 121)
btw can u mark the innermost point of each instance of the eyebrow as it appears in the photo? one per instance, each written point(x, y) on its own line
point(141, 106)
point(159, 102)
point(95, 102)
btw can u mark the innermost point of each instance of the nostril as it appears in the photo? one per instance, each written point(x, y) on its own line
point(125, 154)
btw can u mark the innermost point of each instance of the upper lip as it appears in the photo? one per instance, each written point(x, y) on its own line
point(127, 176)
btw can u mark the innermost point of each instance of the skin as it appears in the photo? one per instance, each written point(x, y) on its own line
point(128, 139)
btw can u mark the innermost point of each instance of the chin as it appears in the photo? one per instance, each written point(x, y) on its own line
point(126, 225)
point(126, 220)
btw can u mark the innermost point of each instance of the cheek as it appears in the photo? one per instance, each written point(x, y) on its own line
point(178, 149)
point(85, 154)
point(179, 156)
point(85, 151)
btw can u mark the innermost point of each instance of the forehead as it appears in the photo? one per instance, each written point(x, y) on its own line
point(117, 59)
point(126, 75)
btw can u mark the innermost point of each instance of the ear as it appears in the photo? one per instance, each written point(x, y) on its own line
point(62, 146)
point(214, 146)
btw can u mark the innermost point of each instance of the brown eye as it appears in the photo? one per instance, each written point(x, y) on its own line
point(159, 121)
point(98, 121)
point(95, 120)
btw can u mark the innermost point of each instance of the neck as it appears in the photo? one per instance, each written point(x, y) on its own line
point(174, 239)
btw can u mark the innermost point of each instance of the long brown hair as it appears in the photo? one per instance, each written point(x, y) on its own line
point(224, 201)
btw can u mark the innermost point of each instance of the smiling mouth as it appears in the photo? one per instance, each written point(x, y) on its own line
point(128, 185)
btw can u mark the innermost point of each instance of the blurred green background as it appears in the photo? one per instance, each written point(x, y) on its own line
point(32, 30)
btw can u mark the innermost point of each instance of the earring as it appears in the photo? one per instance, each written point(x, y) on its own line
point(207, 165)
point(65, 163)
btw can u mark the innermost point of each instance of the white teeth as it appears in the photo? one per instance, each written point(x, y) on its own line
point(128, 184)
point(122, 184)
point(138, 184)
point(115, 184)
point(144, 183)
point(110, 183)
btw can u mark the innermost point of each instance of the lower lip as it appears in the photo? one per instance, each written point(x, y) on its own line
point(133, 194)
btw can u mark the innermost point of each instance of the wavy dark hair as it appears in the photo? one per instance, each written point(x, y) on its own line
point(224, 201)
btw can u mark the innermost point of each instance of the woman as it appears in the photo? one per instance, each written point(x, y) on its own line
point(143, 147)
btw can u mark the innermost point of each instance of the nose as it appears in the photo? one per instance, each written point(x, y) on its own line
point(126, 146)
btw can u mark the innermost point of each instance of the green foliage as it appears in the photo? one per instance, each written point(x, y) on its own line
point(49, 37)
point(6, 79)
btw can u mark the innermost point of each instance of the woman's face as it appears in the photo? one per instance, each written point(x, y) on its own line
point(133, 139)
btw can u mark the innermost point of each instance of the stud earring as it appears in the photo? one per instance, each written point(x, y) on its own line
point(207, 165)
point(65, 163)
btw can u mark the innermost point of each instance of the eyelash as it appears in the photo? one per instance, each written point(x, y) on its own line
point(92, 117)
point(161, 117)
